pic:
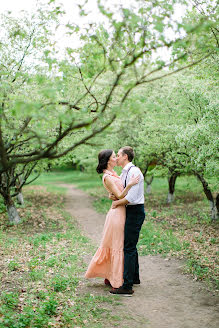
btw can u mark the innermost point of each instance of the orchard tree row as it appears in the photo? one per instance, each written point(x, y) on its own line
point(172, 124)
point(117, 85)
point(176, 131)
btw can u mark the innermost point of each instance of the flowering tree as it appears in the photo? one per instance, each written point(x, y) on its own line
point(50, 106)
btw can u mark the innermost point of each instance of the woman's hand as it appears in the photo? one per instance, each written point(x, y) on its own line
point(114, 204)
point(134, 180)
point(112, 197)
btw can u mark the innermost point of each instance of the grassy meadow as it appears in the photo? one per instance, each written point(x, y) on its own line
point(42, 266)
point(42, 258)
point(183, 229)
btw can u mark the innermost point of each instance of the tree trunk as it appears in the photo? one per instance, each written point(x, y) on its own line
point(12, 211)
point(145, 171)
point(217, 207)
point(171, 182)
point(148, 189)
point(214, 204)
point(20, 198)
point(149, 182)
point(214, 210)
point(170, 198)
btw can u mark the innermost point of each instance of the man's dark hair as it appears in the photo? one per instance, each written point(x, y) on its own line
point(129, 152)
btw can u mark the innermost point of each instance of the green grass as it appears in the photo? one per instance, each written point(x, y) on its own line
point(83, 180)
point(13, 265)
point(102, 204)
point(46, 268)
point(165, 227)
point(46, 250)
point(155, 240)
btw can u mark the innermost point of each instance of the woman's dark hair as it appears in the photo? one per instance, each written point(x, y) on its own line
point(103, 158)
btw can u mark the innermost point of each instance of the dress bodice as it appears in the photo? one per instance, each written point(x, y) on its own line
point(116, 179)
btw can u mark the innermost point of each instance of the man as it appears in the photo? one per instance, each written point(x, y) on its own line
point(134, 202)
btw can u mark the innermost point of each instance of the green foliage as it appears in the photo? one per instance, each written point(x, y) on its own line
point(51, 261)
point(41, 239)
point(155, 240)
point(13, 266)
point(2, 206)
point(36, 275)
point(34, 262)
point(197, 269)
point(10, 300)
point(52, 105)
point(61, 283)
point(50, 306)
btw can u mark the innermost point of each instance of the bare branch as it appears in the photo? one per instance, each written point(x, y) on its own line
point(36, 177)
point(179, 69)
point(112, 90)
point(64, 103)
point(24, 54)
point(82, 141)
point(22, 129)
point(47, 154)
point(88, 90)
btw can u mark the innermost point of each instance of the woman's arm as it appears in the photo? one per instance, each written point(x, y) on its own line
point(119, 202)
point(115, 191)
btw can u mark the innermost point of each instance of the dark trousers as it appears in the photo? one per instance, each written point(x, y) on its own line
point(135, 216)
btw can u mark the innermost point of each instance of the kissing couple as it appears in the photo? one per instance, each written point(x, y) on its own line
point(116, 259)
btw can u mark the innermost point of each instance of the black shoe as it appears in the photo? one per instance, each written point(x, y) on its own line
point(136, 282)
point(122, 291)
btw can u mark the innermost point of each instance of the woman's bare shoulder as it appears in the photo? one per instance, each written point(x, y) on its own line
point(107, 178)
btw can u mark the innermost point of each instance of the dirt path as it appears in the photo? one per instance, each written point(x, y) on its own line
point(166, 298)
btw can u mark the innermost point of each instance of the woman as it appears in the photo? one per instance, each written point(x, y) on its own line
point(108, 261)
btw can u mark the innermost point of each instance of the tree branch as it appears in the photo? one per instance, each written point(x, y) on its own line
point(82, 141)
point(24, 54)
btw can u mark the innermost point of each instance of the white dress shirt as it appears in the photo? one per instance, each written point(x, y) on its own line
point(135, 195)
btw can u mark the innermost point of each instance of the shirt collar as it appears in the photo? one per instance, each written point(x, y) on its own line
point(125, 168)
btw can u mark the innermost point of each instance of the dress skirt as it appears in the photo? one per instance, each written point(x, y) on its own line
point(108, 261)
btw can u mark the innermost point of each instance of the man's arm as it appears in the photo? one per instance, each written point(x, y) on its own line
point(119, 202)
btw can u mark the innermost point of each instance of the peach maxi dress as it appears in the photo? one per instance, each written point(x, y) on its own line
point(108, 261)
